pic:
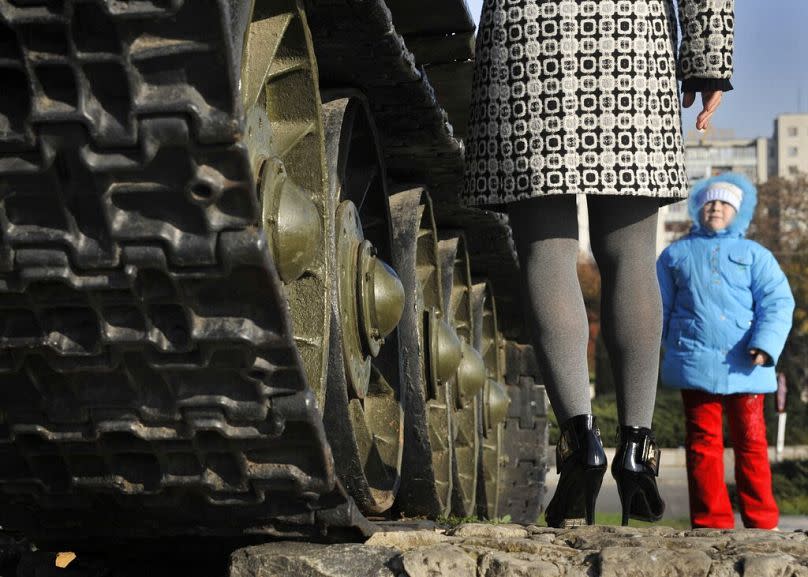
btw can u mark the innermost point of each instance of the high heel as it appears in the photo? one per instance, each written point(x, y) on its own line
point(635, 468)
point(581, 462)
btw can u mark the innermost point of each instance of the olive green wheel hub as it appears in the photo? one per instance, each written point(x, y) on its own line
point(494, 409)
point(433, 355)
point(284, 136)
point(470, 376)
point(363, 412)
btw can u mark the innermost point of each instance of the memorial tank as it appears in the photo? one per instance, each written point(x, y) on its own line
point(238, 295)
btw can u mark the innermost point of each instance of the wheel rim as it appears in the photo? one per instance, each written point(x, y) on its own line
point(459, 313)
point(433, 352)
point(284, 136)
point(489, 342)
point(363, 374)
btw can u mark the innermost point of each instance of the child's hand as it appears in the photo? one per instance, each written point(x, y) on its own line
point(759, 358)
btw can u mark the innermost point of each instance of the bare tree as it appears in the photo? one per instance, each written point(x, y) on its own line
point(781, 225)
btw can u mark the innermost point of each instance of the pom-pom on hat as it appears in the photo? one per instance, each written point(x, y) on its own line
point(723, 191)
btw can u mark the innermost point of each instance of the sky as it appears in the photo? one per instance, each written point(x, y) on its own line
point(771, 66)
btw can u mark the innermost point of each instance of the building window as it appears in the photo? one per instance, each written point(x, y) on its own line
point(793, 151)
point(793, 170)
point(792, 131)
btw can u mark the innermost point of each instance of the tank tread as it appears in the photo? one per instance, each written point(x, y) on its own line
point(525, 440)
point(151, 385)
point(359, 46)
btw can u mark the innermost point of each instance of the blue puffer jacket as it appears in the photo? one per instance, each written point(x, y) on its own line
point(722, 295)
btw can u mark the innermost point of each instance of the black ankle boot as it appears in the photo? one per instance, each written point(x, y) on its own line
point(581, 462)
point(635, 468)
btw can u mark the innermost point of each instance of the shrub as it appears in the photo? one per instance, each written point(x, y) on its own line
point(669, 420)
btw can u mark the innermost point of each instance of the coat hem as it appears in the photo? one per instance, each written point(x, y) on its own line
point(496, 203)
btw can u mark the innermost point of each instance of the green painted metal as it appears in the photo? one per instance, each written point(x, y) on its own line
point(349, 241)
point(293, 221)
point(367, 438)
point(446, 352)
point(496, 403)
point(285, 139)
point(432, 356)
point(381, 296)
point(471, 375)
point(457, 290)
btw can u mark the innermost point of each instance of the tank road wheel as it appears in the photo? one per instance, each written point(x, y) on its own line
point(363, 411)
point(470, 376)
point(494, 407)
point(432, 356)
point(284, 135)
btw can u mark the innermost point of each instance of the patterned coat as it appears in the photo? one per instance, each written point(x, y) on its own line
point(581, 96)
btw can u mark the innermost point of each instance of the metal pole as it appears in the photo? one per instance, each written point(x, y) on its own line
point(782, 388)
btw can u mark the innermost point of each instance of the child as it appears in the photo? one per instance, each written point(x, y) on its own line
point(727, 312)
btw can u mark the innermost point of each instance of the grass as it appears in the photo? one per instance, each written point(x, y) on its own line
point(453, 521)
point(790, 485)
point(790, 482)
point(615, 519)
point(669, 420)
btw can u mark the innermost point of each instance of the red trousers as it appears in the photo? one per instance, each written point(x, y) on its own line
point(709, 499)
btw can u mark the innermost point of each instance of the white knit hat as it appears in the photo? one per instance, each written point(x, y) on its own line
point(723, 191)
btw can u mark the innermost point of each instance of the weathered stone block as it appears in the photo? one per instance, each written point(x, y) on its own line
point(312, 560)
point(507, 565)
point(773, 566)
point(438, 561)
point(406, 540)
point(489, 531)
point(638, 562)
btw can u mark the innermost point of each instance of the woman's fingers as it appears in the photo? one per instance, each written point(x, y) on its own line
point(688, 99)
point(710, 101)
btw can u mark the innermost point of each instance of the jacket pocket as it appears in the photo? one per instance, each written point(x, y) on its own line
point(740, 343)
point(684, 333)
point(739, 271)
point(745, 324)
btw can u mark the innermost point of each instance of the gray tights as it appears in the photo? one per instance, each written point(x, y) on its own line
point(623, 236)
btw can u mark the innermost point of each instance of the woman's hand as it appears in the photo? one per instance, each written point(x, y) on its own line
point(759, 358)
point(710, 101)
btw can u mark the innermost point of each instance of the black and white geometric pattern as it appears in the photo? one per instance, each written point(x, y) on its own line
point(573, 97)
point(708, 28)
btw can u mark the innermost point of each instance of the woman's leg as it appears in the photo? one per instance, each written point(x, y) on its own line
point(546, 234)
point(753, 475)
point(623, 235)
point(704, 445)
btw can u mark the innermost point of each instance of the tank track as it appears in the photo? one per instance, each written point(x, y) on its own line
point(525, 438)
point(151, 386)
point(357, 45)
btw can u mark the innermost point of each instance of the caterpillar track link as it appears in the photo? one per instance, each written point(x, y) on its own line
point(525, 435)
point(169, 340)
point(151, 385)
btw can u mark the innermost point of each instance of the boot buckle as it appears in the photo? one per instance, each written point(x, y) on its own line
point(651, 454)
